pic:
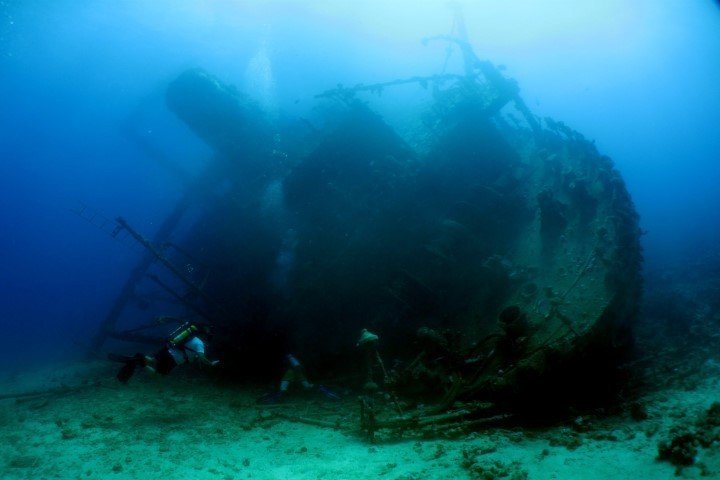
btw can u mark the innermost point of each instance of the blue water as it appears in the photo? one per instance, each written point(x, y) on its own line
point(640, 78)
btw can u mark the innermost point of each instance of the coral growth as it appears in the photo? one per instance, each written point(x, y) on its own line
point(683, 446)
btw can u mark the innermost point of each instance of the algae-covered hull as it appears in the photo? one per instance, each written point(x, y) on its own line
point(510, 243)
point(488, 249)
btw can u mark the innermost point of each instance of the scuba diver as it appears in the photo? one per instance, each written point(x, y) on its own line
point(294, 374)
point(183, 346)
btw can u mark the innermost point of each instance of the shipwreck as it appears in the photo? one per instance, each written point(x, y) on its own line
point(494, 253)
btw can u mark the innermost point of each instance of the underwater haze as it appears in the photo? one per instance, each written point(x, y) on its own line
point(638, 78)
point(88, 133)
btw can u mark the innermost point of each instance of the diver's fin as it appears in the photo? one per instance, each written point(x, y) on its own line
point(127, 371)
point(328, 393)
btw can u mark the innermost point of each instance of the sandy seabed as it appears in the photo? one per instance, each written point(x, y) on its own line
point(186, 426)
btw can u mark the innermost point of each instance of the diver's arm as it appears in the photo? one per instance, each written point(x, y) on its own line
point(199, 351)
point(206, 361)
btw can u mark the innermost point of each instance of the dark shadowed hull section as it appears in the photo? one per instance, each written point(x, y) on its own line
point(495, 256)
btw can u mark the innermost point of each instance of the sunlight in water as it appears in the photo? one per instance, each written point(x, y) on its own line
point(259, 79)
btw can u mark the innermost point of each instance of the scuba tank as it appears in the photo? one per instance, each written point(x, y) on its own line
point(182, 334)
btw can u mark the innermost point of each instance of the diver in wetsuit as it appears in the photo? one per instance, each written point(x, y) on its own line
point(295, 374)
point(183, 346)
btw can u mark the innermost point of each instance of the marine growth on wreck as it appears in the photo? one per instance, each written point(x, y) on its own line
point(298, 240)
point(495, 254)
